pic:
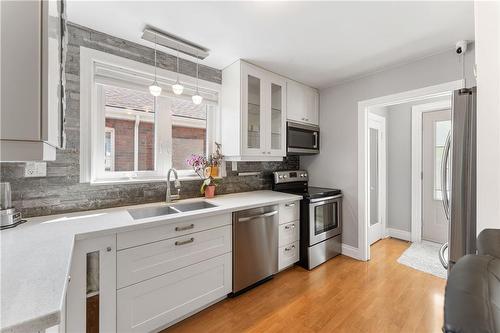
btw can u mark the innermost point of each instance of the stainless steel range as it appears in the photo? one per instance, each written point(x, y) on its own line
point(320, 217)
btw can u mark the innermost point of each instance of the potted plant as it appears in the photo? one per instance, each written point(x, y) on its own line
point(207, 168)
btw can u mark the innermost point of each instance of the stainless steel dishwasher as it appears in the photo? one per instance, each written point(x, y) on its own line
point(255, 246)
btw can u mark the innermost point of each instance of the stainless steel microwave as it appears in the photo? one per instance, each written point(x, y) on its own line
point(302, 139)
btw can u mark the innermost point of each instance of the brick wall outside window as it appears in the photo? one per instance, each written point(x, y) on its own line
point(186, 141)
point(124, 143)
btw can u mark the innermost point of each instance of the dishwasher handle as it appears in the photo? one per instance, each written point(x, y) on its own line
point(260, 216)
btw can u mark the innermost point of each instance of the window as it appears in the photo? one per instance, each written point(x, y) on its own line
point(441, 130)
point(133, 136)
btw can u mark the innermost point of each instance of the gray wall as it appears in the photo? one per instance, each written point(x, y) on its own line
point(336, 165)
point(61, 191)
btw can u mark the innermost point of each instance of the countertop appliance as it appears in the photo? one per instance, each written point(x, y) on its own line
point(9, 216)
point(302, 139)
point(459, 179)
point(255, 247)
point(320, 217)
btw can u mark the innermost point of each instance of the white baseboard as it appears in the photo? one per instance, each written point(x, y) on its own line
point(351, 251)
point(399, 234)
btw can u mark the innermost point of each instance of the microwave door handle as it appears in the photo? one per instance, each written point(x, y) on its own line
point(315, 134)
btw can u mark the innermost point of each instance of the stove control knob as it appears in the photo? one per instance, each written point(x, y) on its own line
point(280, 176)
point(285, 176)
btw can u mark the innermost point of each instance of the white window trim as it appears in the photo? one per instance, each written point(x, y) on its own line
point(111, 131)
point(137, 75)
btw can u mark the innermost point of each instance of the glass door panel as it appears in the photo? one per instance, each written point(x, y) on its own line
point(325, 218)
point(276, 116)
point(254, 112)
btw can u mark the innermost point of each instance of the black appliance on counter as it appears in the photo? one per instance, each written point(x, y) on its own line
point(320, 217)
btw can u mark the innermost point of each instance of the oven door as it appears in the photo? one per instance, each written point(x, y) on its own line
point(325, 218)
point(302, 139)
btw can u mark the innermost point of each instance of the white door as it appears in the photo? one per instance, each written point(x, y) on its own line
point(435, 128)
point(376, 147)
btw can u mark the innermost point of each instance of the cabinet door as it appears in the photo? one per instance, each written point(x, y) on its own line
point(92, 275)
point(276, 116)
point(159, 302)
point(312, 108)
point(253, 111)
point(295, 101)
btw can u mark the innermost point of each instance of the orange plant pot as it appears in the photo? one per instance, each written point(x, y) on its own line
point(214, 171)
point(210, 191)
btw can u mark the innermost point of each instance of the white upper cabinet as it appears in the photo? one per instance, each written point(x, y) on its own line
point(302, 103)
point(32, 56)
point(253, 113)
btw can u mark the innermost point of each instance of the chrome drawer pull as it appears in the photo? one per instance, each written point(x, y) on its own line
point(186, 227)
point(290, 204)
point(290, 248)
point(290, 226)
point(184, 242)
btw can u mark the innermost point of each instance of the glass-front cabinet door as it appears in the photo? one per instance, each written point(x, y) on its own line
point(253, 124)
point(277, 114)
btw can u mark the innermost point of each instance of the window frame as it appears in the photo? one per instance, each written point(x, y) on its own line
point(129, 74)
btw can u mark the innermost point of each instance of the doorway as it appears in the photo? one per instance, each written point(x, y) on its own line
point(377, 177)
point(364, 188)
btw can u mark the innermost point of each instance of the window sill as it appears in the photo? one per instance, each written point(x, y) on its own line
point(119, 181)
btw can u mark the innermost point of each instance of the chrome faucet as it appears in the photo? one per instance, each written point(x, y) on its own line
point(177, 184)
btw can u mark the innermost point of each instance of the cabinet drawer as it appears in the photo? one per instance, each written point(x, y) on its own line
point(135, 238)
point(288, 255)
point(288, 233)
point(158, 302)
point(289, 211)
point(144, 262)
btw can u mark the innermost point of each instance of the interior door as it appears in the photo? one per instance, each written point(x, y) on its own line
point(376, 151)
point(435, 127)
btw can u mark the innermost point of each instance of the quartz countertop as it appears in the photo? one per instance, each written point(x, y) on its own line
point(36, 256)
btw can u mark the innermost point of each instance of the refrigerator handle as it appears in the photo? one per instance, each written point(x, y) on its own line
point(444, 177)
point(443, 260)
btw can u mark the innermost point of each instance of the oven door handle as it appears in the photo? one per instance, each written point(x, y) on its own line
point(320, 201)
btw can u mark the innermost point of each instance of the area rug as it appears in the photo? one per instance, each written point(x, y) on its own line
point(424, 256)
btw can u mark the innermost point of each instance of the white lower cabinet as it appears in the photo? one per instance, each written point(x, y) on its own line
point(161, 301)
point(288, 255)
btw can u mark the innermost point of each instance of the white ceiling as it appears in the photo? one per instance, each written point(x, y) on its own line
point(318, 43)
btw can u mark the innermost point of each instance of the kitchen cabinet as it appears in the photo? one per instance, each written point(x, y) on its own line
point(289, 234)
point(253, 113)
point(33, 46)
point(302, 103)
point(92, 274)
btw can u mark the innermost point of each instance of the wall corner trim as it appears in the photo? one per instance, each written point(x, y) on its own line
point(351, 251)
point(399, 234)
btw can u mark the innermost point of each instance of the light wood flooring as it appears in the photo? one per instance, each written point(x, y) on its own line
point(342, 295)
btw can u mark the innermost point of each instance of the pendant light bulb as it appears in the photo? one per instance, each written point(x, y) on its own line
point(197, 99)
point(177, 88)
point(155, 89)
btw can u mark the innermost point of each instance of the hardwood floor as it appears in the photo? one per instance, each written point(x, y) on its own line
point(342, 295)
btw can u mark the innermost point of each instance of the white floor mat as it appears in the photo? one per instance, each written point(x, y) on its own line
point(424, 256)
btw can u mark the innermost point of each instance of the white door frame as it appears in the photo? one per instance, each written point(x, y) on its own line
point(379, 123)
point(417, 112)
point(363, 106)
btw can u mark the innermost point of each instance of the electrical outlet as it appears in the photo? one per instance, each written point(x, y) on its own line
point(35, 169)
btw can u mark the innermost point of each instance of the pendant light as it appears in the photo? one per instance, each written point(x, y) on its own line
point(154, 88)
point(177, 88)
point(197, 99)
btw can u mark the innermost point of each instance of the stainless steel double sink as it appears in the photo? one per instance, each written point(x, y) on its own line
point(142, 213)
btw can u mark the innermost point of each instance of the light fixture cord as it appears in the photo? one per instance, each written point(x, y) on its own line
point(155, 57)
point(197, 60)
point(177, 62)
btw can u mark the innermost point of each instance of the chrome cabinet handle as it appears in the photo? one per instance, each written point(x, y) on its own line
point(290, 248)
point(444, 177)
point(178, 243)
point(315, 134)
point(290, 226)
point(441, 255)
point(290, 204)
point(244, 219)
point(186, 227)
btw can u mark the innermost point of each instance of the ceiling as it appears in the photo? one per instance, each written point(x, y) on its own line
point(317, 43)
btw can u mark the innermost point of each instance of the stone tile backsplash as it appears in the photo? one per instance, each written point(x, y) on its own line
point(61, 191)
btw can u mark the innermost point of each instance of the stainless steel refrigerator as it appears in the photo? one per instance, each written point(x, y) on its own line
point(459, 179)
